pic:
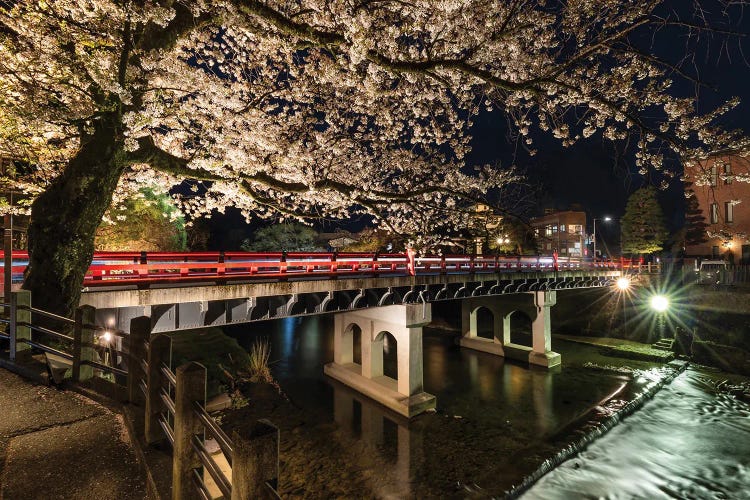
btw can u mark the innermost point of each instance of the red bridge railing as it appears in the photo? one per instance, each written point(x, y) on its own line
point(142, 268)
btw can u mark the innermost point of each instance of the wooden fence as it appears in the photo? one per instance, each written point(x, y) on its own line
point(174, 402)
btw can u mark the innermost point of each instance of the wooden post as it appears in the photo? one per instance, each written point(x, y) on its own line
point(190, 387)
point(20, 312)
point(83, 343)
point(159, 353)
point(255, 461)
point(140, 331)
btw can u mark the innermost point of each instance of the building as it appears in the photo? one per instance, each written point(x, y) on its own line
point(563, 231)
point(720, 186)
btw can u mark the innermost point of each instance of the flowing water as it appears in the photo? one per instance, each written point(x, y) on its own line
point(495, 423)
point(690, 441)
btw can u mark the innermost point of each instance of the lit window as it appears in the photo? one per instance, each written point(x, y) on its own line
point(728, 212)
point(714, 175)
point(548, 230)
point(714, 213)
point(727, 175)
point(562, 228)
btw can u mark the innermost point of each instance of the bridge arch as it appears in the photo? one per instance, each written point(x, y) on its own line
point(384, 354)
point(351, 339)
point(517, 326)
point(483, 322)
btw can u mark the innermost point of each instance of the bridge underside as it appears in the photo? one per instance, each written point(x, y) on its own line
point(183, 308)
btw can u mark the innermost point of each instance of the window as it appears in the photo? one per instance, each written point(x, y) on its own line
point(727, 175)
point(548, 230)
point(728, 211)
point(714, 213)
point(562, 228)
point(714, 176)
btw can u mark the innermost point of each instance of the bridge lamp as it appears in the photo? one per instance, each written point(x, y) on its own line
point(623, 284)
point(106, 337)
point(659, 303)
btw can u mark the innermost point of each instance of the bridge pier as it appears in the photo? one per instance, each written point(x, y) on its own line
point(404, 394)
point(539, 353)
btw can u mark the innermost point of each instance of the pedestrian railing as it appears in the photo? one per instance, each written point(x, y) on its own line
point(176, 411)
point(77, 340)
point(174, 401)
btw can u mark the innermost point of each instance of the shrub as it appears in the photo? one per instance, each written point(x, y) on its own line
point(260, 353)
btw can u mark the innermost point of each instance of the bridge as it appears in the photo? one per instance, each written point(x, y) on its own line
point(371, 294)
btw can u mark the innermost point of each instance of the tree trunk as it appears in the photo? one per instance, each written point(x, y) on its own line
point(65, 217)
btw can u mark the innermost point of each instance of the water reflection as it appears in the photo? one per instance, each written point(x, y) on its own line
point(494, 418)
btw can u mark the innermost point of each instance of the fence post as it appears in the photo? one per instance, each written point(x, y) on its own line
point(20, 312)
point(190, 387)
point(255, 461)
point(83, 343)
point(140, 330)
point(159, 353)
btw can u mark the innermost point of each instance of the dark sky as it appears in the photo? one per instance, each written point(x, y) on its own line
point(591, 173)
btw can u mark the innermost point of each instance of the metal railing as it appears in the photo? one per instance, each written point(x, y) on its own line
point(142, 268)
point(33, 328)
point(176, 411)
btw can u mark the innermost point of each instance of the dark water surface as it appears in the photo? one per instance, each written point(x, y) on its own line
point(495, 422)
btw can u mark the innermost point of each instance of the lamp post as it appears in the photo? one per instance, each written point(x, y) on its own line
point(605, 219)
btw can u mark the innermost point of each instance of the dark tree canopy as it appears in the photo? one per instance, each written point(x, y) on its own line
point(292, 237)
point(643, 227)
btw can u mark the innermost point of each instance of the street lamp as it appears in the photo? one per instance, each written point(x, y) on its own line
point(605, 219)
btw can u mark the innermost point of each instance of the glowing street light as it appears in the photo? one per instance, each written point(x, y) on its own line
point(623, 284)
point(659, 303)
point(106, 337)
point(605, 219)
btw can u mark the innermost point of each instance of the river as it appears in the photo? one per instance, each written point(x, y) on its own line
point(496, 421)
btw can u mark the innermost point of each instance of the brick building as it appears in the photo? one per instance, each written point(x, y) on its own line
point(720, 185)
point(564, 231)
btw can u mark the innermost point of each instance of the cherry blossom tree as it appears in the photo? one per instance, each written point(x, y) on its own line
point(316, 108)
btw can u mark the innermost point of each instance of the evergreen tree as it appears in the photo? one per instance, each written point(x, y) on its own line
point(292, 237)
point(643, 228)
point(695, 222)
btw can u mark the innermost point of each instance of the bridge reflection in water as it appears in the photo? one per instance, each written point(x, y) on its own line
point(494, 418)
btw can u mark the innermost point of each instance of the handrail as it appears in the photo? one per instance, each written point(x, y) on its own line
point(210, 465)
point(168, 374)
point(48, 349)
point(145, 268)
point(46, 331)
point(50, 315)
point(166, 428)
point(167, 400)
point(200, 485)
point(103, 367)
point(216, 432)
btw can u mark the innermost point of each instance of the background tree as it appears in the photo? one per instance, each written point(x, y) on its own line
point(291, 237)
point(319, 108)
point(149, 222)
point(695, 222)
point(375, 240)
point(643, 227)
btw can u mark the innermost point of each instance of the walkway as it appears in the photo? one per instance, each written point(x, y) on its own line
point(58, 444)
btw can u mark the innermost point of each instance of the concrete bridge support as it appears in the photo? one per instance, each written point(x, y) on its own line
point(539, 353)
point(404, 394)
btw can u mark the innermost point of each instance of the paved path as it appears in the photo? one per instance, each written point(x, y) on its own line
point(60, 445)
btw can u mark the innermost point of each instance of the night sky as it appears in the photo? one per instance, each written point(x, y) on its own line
point(593, 173)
